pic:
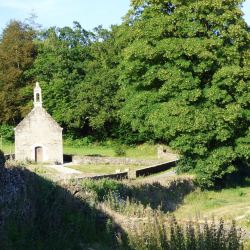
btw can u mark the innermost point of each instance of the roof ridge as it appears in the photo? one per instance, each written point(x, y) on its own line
point(46, 114)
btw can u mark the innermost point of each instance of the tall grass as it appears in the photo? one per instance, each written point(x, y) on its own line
point(156, 234)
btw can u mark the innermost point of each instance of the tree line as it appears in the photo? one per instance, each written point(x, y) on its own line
point(175, 72)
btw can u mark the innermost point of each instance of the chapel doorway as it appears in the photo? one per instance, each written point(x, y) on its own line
point(38, 154)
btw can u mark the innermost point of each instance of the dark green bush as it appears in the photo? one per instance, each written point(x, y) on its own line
point(103, 187)
point(120, 150)
point(80, 142)
point(7, 132)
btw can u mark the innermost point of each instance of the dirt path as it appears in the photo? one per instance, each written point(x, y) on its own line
point(64, 170)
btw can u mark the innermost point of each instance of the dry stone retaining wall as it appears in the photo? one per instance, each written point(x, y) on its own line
point(136, 173)
point(113, 160)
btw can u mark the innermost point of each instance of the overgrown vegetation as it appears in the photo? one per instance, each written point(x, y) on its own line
point(175, 236)
point(72, 217)
point(42, 215)
point(169, 73)
point(6, 132)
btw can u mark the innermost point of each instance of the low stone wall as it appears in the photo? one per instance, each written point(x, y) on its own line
point(117, 176)
point(112, 160)
point(155, 169)
point(136, 173)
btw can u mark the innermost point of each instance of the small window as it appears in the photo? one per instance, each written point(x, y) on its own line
point(37, 97)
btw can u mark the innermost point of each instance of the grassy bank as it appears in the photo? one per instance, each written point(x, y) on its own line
point(231, 203)
point(143, 151)
point(104, 214)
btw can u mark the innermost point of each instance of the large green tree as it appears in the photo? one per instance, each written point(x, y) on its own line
point(17, 53)
point(78, 72)
point(97, 97)
point(186, 75)
point(59, 67)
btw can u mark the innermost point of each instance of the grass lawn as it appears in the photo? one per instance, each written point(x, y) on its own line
point(104, 168)
point(7, 147)
point(144, 151)
point(229, 204)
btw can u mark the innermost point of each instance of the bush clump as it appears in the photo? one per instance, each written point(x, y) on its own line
point(78, 142)
point(7, 132)
point(120, 150)
point(103, 187)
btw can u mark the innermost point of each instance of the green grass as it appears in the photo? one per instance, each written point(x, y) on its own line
point(231, 203)
point(103, 168)
point(7, 147)
point(144, 151)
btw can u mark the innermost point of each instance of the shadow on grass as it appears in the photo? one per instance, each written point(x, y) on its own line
point(168, 198)
point(38, 214)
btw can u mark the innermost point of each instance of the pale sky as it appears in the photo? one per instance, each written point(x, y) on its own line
point(89, 13)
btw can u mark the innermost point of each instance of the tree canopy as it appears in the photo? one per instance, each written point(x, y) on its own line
point(186, 72)
point(17, 54)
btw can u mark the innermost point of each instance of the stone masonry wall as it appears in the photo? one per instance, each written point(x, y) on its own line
point(113, 160)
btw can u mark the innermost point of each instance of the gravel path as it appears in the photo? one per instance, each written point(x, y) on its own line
point(64, 170)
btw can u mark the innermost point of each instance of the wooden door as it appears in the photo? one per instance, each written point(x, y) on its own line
point(38, 154)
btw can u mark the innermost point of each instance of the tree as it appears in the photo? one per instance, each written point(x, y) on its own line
point(97, 94)
point(59, 67)
point(186, 75)
point(17, 53)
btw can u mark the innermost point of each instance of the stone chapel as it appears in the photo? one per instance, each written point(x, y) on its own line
point(38, 137)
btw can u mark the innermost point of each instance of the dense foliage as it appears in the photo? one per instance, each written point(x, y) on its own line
point(174, 71)
point(187, 75)
point(17, 54)
point(6, 132)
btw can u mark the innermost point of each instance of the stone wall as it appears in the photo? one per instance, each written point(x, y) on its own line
point(112, 161)
point(12, 189)
point(155, 169)
point(136, 173)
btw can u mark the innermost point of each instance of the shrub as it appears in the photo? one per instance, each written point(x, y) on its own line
point(120, 150)
point(102, 188)
point(7, 132)
point(81, 142)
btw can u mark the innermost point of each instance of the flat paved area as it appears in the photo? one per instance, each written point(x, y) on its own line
point(64, 170)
